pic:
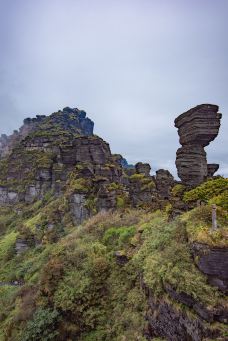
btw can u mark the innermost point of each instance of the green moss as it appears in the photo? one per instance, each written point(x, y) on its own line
point(80, 185)
point(178, 190)
point(137, 177)
point(145, 182)
point(114, 186)
point(120, 202)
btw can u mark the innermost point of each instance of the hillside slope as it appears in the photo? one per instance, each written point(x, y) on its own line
point(92, 250)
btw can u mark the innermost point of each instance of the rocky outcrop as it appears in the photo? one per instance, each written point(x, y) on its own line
point(211, 169)
point(60, 154)
point(72, 120)
point(78, 208)
point(143, 168)
point(21, 246)
point(164, 183)
point(213, 262)
point(8, 197)
point(175, 324)
point(85, 150)
point(196, 128)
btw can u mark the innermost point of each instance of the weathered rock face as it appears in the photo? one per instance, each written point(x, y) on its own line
point(164, 183)
point(60, 154)
point(211, 169)
point(78, 208)
point(191, 164)
point(143, 168)
point(88, 150)
point(213, 262)
point(173, 324)
point(196, 128)
point(199, 125)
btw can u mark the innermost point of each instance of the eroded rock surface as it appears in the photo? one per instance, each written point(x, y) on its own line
point(164, 183)
point(59, 153)
point(213, 262)
point(196, 128)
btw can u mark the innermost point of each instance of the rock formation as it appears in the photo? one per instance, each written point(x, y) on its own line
point(143, 168)
point(164, 183)
point(73, 120)
point(59, 153)
point(196, 128)
point(213, 262)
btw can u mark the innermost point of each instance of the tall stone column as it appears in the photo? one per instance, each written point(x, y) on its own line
point(196, 128)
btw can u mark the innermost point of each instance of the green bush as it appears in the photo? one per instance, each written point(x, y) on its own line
point(118, 237)
point(208, 190)
point(166, 259)
point(42, 327)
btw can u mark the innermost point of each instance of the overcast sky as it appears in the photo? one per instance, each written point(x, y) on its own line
point(133, 66)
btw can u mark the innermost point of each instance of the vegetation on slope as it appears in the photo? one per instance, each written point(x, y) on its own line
point(85, 282)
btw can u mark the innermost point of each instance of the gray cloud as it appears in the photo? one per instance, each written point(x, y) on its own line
point(132, 65)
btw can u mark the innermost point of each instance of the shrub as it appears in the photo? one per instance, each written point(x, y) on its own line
point(198, 224)
point(178, 190)
point(166, 259)
point(117, 237)
point(42, 327)
point(207, 190)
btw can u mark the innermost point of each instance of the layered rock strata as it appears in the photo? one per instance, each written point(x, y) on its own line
point(196, 128)
point(59, 153)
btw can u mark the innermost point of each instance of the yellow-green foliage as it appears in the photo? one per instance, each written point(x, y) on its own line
point(75, 287)
point(220, 200)
point(6, 244)
point(166, 259)
point(199, 226)
point(81, 185)
point(117, 237)
point(178, 190)
point(120, 202)
point(114, 186)
point(145, 181)
point(34, 221)
point(208, 190)
point(137, 177)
